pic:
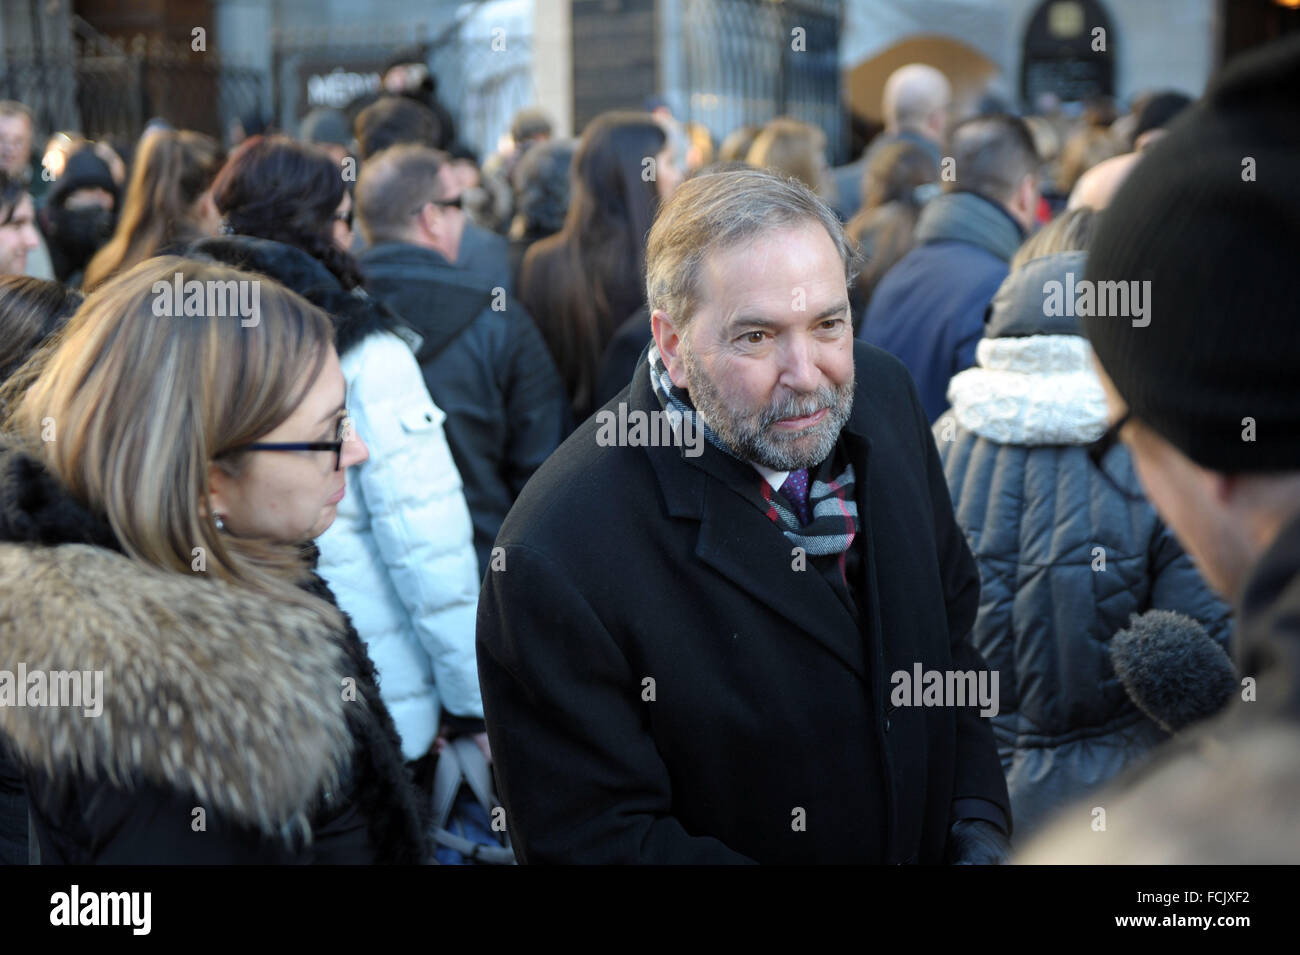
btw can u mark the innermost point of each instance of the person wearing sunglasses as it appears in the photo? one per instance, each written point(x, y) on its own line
point(400, 556)
point(484, 360)
point(1068, 546)
point(158, 543)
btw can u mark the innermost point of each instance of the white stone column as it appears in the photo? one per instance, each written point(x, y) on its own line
point(553, 62)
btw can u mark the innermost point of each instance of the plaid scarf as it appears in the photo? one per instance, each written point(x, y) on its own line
point(830, 497)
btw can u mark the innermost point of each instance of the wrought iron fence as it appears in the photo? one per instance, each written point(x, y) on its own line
point(747, 61)
point(485, 86)
point(106, 89)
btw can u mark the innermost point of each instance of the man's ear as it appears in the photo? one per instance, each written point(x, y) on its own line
point(669, 343)
point(1027, 200)
point(426, 221)
point(936, 123)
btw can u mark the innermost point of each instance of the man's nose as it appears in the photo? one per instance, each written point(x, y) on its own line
point(799, 371)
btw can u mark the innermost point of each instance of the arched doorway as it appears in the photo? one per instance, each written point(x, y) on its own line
point(967, 69)
point(1068, 51)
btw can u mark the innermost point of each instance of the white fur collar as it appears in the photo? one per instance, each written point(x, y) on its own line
point(1037, 390)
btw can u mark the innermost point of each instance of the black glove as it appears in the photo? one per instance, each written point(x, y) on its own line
point(976, 842)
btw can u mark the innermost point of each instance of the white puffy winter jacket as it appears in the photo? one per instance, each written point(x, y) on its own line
point(399, 556)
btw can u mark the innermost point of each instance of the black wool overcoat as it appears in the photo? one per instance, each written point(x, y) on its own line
point(662, 685)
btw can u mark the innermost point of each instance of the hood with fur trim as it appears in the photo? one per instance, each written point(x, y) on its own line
point(207, 688)
point(1037, 390)
point(356, 315)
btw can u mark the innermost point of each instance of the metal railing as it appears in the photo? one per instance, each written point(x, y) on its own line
point(745, 63)
point(106, 89)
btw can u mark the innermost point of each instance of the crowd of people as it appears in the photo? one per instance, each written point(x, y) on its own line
point(316, 542)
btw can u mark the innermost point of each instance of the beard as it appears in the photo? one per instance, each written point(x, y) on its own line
point(752, 435)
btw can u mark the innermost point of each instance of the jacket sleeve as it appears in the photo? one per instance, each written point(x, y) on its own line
point(100, 824)
point(418, 516)
point(980, 788)
point(536, 404)
point(580, 776)
point(1176, 584)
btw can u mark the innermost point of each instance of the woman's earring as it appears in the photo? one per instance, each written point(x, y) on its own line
point(221, 525)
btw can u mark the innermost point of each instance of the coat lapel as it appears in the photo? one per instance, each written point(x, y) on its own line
point(749, 550)
point(868, 595)
point(742, 545)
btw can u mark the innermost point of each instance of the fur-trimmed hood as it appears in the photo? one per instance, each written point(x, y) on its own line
point(356, 314)
point(207, 688)
point(1036, 390)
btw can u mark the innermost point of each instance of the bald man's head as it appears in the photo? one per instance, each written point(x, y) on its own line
point(917, 98)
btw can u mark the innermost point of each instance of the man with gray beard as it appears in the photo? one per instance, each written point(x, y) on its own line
point(686, 658)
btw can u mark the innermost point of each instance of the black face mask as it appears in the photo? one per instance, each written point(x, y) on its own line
point(79, 233)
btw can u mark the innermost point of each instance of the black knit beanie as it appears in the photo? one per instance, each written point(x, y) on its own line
point(1210, 216)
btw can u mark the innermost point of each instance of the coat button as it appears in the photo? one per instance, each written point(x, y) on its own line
point(887, 724)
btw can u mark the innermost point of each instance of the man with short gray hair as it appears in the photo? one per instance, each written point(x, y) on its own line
point(702, 611)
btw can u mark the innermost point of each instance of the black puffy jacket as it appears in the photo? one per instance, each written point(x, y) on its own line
point(1064, 557)
point(486, 366)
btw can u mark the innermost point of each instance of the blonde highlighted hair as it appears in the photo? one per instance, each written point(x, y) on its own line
point(1070, 231)
point(128, 410)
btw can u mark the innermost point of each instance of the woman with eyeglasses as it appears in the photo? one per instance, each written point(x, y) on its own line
point(191, 694)
point(1067, 545)
point(400, 557)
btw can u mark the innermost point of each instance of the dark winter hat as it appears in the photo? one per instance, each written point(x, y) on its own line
point(1210, 218)
point(83, 170)
point(324, 125)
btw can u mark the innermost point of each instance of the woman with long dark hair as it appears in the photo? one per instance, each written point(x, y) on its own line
point(581, 283)
point(400, 557)
point(168, 202)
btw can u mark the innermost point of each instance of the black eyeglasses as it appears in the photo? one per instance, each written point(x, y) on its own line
point(344, 217)
point(444, 203)
point(344, 434)
point(1098, 450)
